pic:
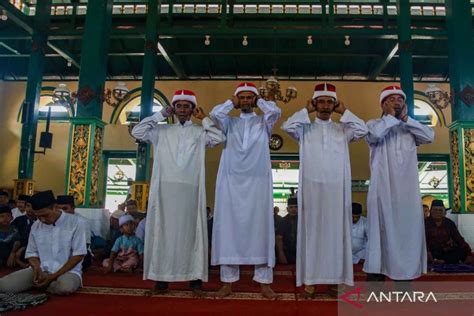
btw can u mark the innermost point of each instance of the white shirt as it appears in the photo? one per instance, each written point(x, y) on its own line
point(55, 244)
point(16, 212)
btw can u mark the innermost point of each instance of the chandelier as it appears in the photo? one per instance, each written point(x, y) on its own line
point(441, 99)
point(272, 91)
point(63, 96)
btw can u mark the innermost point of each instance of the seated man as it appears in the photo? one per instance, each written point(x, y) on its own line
point(3, 198)
point(55, 251)
point(9, 238)
point(66, 204)
point(286, 234)
point(23, 223)
point(114, 225)
point(444, 242)
point(132, 209)
point(359, 233)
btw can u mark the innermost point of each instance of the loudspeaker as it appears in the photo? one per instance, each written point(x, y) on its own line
point(46, 140)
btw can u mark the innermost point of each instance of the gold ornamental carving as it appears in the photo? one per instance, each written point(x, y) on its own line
point(79, 162)
point(469, 168)
point(94, 186)
point(456, 171)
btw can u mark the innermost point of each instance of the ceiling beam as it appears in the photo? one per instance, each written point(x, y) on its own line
point(26, 23)
point(385, 61)
point(63, 52)
point(14, 51)
point(17, 16)
point(177, 68)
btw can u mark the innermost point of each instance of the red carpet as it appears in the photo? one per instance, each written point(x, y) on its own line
point(123, 294)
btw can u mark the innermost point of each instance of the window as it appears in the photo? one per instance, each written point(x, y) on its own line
point(425, 114)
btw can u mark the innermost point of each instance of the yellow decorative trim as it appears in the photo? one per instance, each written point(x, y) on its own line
point(78, 165)
point(97, 153)
point(23, 186)
point(140, 192)
point(469, 169)
point(456, 171)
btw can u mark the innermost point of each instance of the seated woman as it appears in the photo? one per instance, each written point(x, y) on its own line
point(444, 242)
point(127, 252)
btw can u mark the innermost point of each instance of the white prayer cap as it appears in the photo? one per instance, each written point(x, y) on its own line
point(125, 219)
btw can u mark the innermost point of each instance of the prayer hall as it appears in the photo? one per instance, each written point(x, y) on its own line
point(237, 157)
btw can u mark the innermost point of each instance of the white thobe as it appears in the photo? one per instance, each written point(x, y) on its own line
point(324, 254)
point(243, 229)
point(55, 244)
point(359, 240)
point(16, 213)
point(396, 245)
point(176, 226)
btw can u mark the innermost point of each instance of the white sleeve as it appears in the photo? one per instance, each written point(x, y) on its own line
point(354, 127)
point(294, 124)
point(271, 113)
point(423, 134)
point(379, 128)
point(32, 249)
point(78, 244)
point(147, 129)
point(214, 136)
point(220, 115)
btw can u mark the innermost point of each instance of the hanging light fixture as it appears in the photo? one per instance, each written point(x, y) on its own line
point(4, 15)
point(207, 41)
point(347, 41)
point(272, 91)
point(118, 94)
point(310, 40)
point(245, 41)
point(441, 99)
point(62, 96)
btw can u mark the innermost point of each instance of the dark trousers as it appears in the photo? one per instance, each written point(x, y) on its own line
point(194, 285)
point(454, 255)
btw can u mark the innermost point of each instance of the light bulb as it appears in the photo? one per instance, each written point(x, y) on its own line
point(310, 40)
point(69, 63)
point(244, 41)
point(347, 42)
point(207, 41)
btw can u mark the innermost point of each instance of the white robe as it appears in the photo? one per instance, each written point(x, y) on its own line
point(359, 240)
point(176, 225)
point(324, 253)
point(243, 229)
point(396, 245)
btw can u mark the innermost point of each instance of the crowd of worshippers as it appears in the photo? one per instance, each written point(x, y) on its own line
point(323, 233)
point(443, 240)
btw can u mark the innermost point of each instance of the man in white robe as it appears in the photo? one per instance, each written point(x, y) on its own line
point(176, 225)
point(359, 233)
point(324, 254)
point(243, 228)
point(396, 246)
